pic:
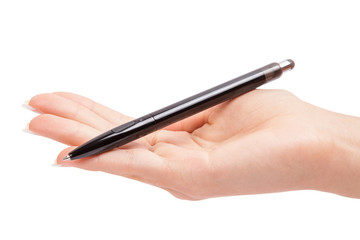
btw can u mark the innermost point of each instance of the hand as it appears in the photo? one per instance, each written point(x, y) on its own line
point(264, 141)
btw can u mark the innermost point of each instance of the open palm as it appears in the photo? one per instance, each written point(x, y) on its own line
point(251, 144)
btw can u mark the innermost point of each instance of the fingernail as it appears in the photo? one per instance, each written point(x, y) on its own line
point(28, 107)
point(55, 164)
point(27, 130)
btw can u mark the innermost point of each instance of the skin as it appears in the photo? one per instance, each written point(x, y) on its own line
point(261, 142)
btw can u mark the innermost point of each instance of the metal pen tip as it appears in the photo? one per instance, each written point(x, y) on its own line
point(287, 65)
point(67, 157)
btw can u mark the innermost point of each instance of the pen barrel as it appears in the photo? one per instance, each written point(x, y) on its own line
point(216, 95)
point(149, 123)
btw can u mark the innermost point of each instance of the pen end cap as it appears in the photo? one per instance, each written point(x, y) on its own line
point(287, 65)
point(292, 63)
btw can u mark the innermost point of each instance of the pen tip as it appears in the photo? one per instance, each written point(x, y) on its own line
point(66, 158)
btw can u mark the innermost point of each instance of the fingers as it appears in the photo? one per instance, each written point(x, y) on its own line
point(84, 110)
point(191, 123)
point(106, 113)
point(135, 163)
point(56, 105)
point(60, 129)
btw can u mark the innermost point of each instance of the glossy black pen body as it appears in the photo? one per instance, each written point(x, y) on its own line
point(161, 118)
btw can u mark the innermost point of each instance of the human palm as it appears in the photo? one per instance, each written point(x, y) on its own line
point(255, 143)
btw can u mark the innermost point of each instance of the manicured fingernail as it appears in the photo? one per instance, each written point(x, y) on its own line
point(27, 130)
point(55, 164)
point(27, 106)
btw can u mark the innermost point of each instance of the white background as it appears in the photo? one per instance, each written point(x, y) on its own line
point(138, 56)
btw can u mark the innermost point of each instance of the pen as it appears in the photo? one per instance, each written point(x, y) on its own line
point(154, 121)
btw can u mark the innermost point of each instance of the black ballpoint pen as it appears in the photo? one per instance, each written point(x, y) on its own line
point(149, 123)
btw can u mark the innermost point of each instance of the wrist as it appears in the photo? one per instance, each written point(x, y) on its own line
point(340, 172)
